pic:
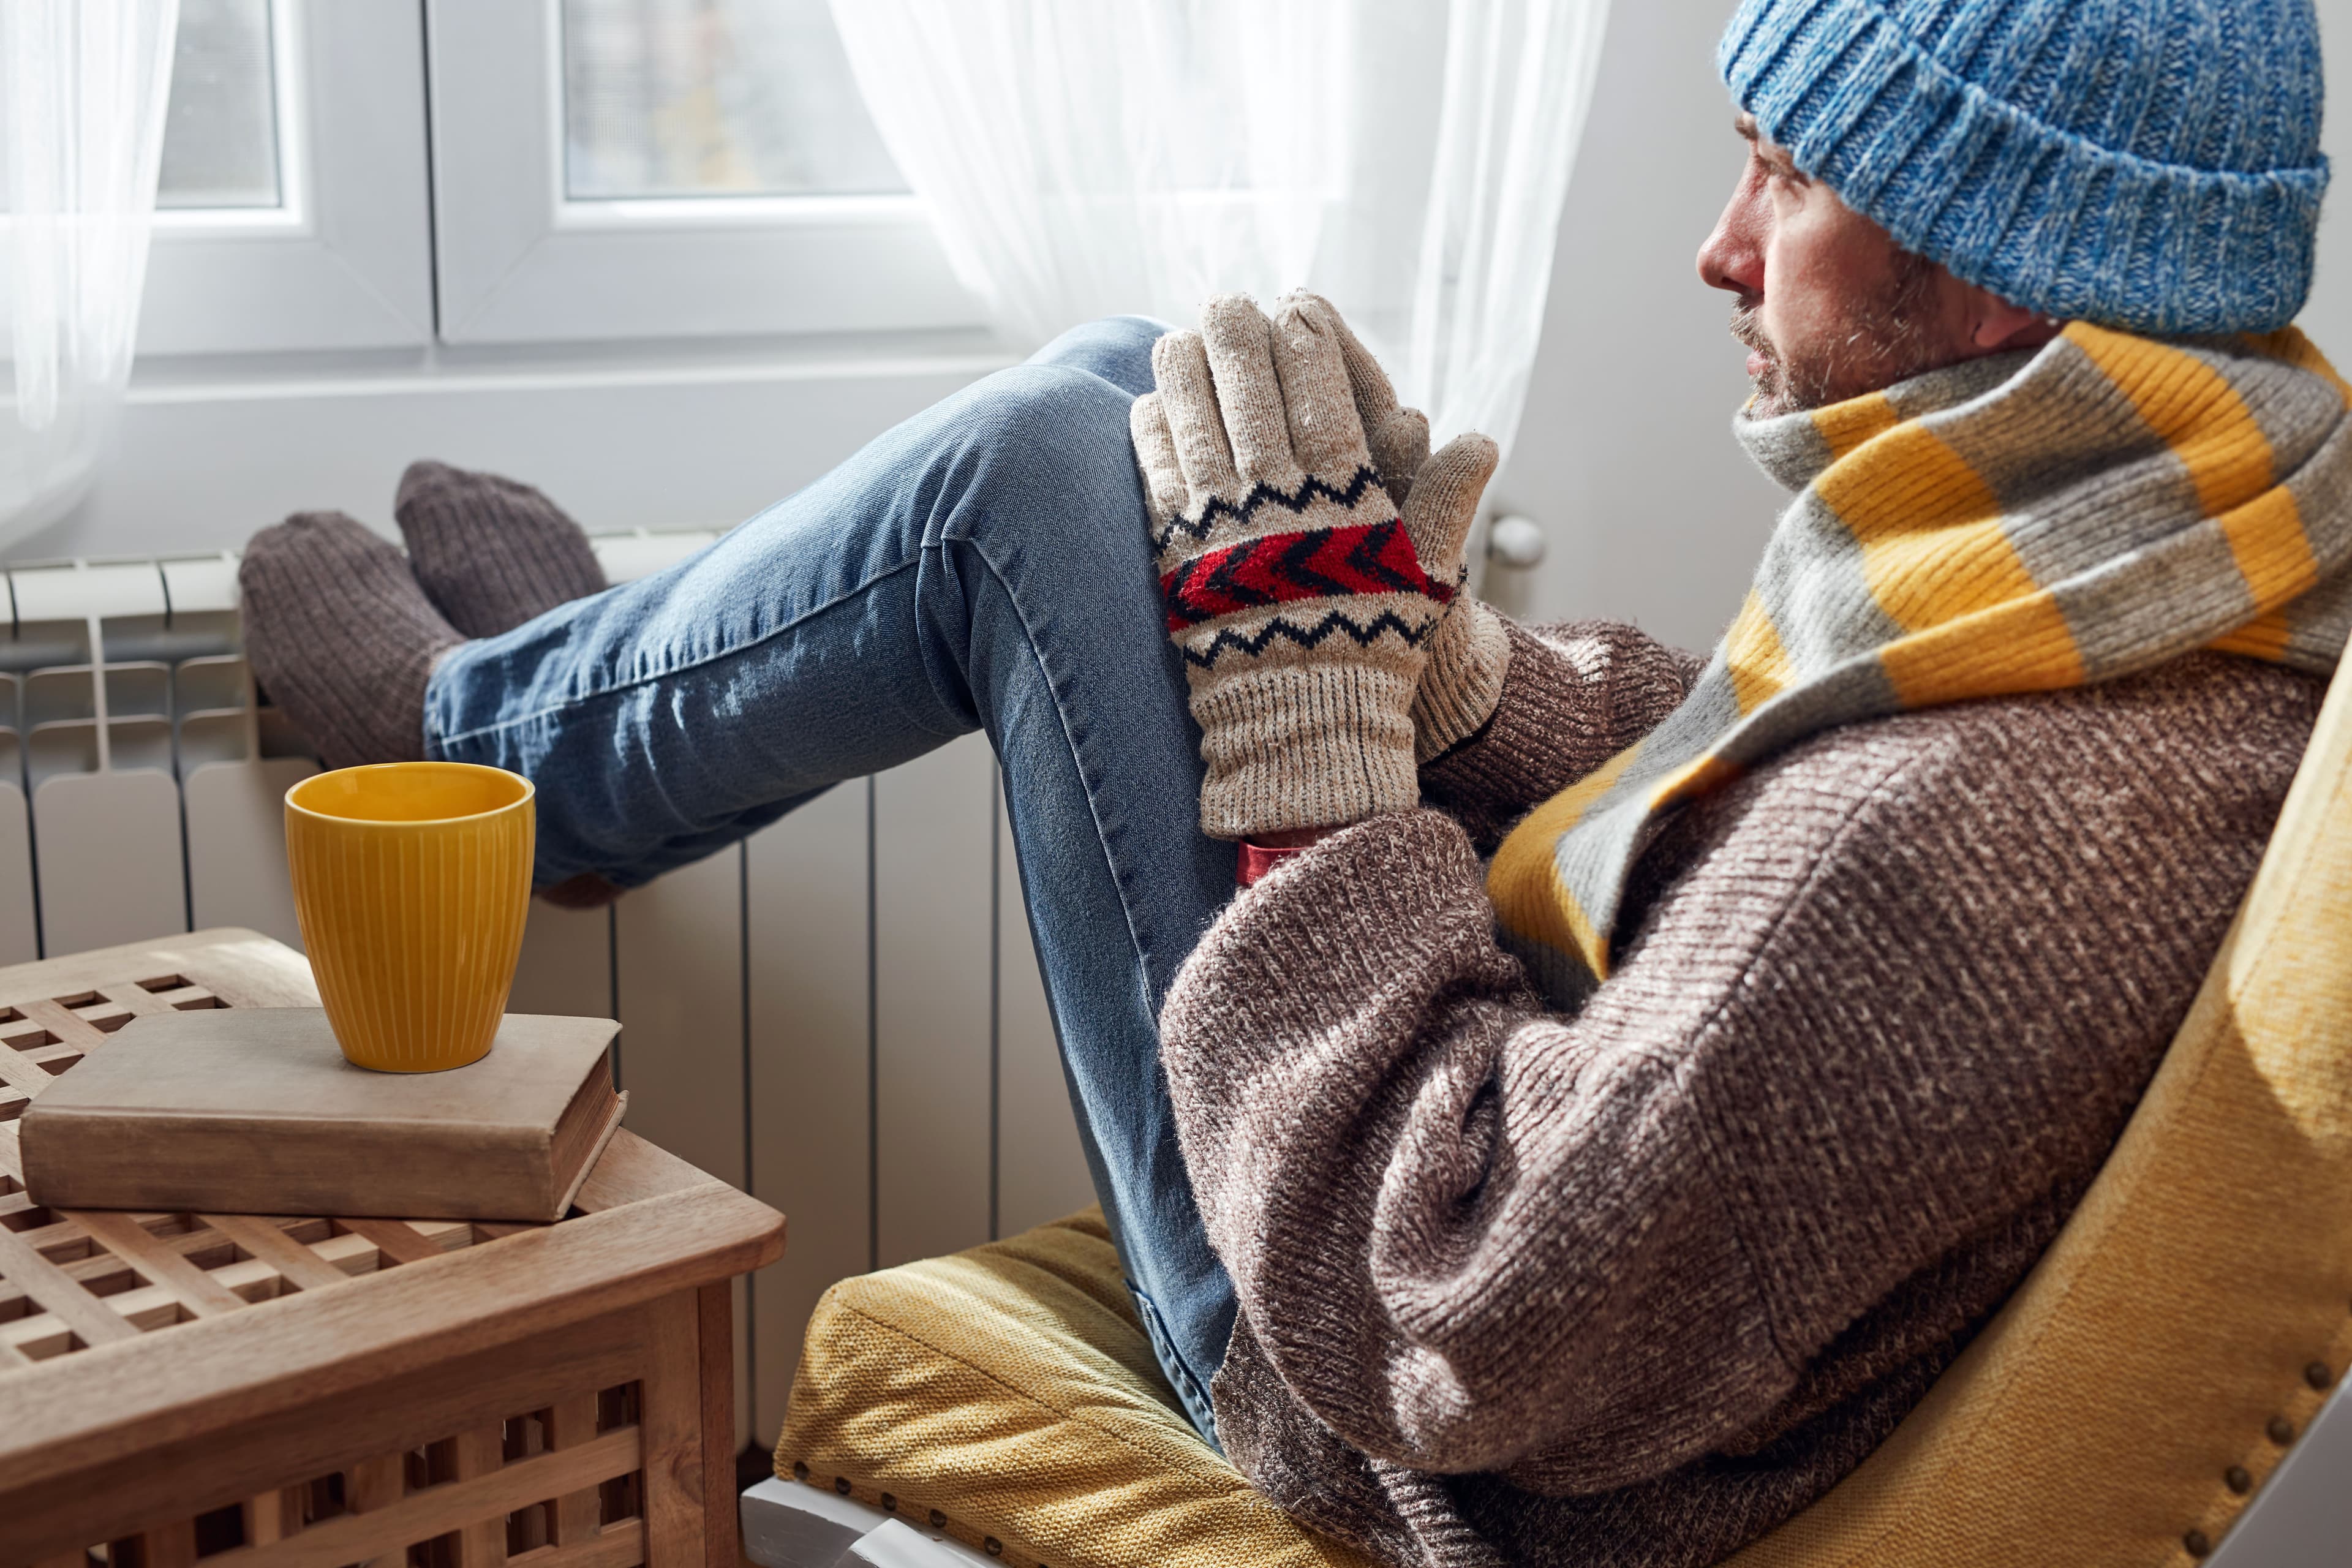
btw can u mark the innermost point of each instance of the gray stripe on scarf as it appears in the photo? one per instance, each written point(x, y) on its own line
point(1811, 583)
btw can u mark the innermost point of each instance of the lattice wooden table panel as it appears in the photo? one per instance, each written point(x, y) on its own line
point(283, 1392)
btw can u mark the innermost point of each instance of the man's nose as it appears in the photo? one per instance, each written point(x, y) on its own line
point(1732, 258)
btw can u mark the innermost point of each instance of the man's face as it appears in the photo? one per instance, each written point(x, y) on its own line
point(1829, 306)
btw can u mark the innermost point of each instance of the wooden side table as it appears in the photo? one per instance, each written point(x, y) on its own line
point(283, 1392)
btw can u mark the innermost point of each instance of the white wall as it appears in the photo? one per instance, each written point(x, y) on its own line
point(1625, 455)
point(1655, 515)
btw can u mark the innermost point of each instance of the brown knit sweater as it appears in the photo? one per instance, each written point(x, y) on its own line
point(1634, 1286)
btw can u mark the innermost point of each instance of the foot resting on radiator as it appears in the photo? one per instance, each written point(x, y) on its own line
point(491, 552)
point(344, 633)
point(341, 637)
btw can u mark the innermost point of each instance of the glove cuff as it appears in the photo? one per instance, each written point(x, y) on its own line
point(1468, 656)
point(1303, 745)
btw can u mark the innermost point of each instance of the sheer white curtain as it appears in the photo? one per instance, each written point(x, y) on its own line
point(1407, 158)
point(83, 88)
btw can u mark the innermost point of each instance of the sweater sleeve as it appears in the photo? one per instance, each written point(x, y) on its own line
point(1573, 696)
point(1851, 1034)
point(1462, 1232)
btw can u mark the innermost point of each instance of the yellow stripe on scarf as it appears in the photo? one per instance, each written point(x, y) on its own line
point(2022, 645)
point(1531, 901)
point(1937, 561)
point(1847, 426)
point(2264, 636)
point(2208, 427)
point(2289, 346)
point(1759, 662)
point(1692, 779)
point(2267, 635)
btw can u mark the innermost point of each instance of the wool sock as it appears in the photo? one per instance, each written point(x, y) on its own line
point(341, 637)
point(491, 552)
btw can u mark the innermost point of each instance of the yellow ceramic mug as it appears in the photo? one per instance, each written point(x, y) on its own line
point(412, 880)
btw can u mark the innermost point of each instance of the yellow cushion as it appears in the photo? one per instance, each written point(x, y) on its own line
point(2201, 1294)
point(1010, 1389)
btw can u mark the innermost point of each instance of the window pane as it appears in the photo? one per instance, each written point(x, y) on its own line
point(220, 133)
point(713, 98)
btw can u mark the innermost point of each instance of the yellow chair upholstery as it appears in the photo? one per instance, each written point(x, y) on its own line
point(2187, 1324)
point(1010, 1390)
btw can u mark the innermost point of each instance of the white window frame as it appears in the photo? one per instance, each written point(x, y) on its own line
point(345, 261)
point(520, 264)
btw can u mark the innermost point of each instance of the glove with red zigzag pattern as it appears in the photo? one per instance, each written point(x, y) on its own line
point(1469, 652)
point(1302, 602)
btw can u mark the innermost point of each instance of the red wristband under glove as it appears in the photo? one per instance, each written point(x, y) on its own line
point(1258, 859)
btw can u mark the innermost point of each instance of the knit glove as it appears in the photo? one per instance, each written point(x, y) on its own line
point(1469, 652)
point(1296, 592)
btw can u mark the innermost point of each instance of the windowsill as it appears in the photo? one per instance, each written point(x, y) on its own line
point(658, 435)
point(182, 378)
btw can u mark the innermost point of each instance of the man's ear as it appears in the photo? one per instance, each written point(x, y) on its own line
point(1995, 325)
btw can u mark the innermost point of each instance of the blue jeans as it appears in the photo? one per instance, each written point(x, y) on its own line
point(984, 565)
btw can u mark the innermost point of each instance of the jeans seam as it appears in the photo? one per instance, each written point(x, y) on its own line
point(1192, 1392)
point(673, 671)
point(1061, 717)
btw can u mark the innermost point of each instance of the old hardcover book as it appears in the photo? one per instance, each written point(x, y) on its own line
point(254, 1111)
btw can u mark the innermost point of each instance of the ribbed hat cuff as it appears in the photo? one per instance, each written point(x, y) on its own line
point(2041, 217)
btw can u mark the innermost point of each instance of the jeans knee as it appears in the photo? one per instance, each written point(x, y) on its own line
point(1049, 449)
point(1055, 420)
point(1116, 348)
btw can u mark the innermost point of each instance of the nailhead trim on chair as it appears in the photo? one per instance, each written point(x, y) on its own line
point(2237, 1477)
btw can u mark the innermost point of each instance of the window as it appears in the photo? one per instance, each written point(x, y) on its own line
point(346, 175)
point(692, 99)
point(221, 131)
point(665, 168)
point(291, 210)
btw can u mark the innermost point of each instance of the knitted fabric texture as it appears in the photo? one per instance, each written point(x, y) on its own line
point(1471, 648)
point(2153, 166)
point(341, 637)
point(1296, 590)
point(490, 553)
point(1626, 1289)
point(2025, 523)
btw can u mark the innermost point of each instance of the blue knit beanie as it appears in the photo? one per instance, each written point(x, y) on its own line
point(2147, 164)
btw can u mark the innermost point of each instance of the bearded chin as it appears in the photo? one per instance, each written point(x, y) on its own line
point(1769, 395)
point(1768, 392)
point(1880, 343)
point(1768, 388)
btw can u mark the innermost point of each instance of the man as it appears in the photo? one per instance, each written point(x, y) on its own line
point(1835, 962)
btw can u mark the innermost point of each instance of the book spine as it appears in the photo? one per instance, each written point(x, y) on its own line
point(80, 1158)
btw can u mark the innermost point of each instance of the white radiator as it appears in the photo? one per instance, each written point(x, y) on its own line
point(842, 1014)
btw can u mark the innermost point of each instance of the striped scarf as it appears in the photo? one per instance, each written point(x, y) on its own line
point(2027, 522)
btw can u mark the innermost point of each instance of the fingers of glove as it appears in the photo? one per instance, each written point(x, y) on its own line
point(1324, 430)
point(1400, 447)
point(1179, 364)
point(1375, 396)
point(1398, 436)
point(1445, 502)
point(1155, 454)
point(1241, 360)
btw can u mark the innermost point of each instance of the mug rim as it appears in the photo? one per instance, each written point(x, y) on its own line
point(529, 791)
